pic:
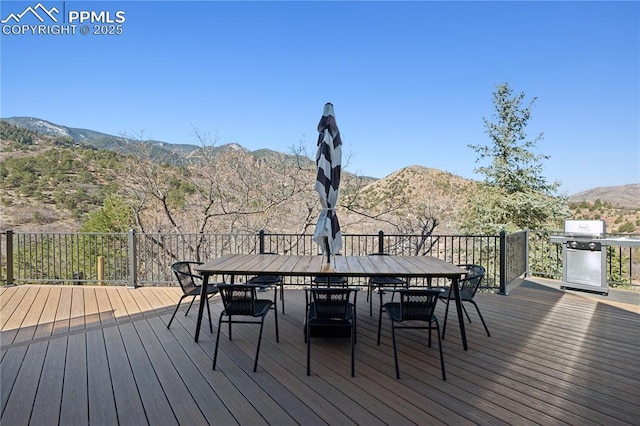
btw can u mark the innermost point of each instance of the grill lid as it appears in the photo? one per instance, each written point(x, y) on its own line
point(584, 228)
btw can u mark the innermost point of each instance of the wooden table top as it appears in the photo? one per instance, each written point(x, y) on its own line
point(348, 266)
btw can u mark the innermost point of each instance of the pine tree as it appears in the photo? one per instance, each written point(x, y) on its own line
point(515, 194)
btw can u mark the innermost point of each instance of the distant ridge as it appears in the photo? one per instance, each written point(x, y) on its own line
point(116, 143)
point(624, 196)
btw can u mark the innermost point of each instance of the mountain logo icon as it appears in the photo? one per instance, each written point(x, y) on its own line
point(38, 11)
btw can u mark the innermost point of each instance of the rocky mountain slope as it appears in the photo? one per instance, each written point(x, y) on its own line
point(433, 191)
point(624, 196)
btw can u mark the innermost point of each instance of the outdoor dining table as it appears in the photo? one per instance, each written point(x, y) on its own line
point(346, 266)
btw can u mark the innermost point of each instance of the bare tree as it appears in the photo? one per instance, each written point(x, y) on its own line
point(224, 189)
point(413, 201)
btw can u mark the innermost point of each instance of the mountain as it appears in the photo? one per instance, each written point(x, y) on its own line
point(47, 128)
point(73, 169)
point(100, 140)
point(623, 196)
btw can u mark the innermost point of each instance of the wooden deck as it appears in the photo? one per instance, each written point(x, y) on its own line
point(103, 355)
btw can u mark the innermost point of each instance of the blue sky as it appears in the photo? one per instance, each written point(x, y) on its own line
point(410, 81)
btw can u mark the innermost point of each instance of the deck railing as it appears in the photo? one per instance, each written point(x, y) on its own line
point(137, 259)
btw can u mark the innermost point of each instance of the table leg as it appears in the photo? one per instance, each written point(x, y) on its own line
point(456, 291)
point(203, 301)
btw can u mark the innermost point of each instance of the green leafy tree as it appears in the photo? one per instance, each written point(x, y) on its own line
point(514, 194)
point(114, 216)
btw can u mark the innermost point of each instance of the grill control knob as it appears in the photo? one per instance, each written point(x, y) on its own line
point(573, 244)
point(592, 246)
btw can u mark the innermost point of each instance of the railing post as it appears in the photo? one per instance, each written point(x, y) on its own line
point(9, 252)
point(503, 264)
point(526, 252)
point(133, 260)
point(261, 241)
point(380, 242)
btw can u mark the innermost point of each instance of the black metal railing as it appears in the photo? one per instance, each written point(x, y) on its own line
point(136, 259)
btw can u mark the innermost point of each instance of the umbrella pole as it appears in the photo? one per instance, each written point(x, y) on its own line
point(328, 250)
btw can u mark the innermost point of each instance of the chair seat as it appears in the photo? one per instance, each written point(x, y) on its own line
point(449, 294)
point(387, 281)
point(261, 307)
point(265, 279)
point(331, 280)
point(339, 319)
point(211, 290)
point(382, 281)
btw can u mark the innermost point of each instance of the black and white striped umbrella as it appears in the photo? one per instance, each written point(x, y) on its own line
point(328, 159)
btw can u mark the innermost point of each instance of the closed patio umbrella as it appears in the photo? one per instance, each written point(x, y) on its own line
point(328, 160)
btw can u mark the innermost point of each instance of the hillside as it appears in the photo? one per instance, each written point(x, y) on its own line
point(66, 173)
point(624, 196)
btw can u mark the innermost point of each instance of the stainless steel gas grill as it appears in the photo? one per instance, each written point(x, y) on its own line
point(584, 255)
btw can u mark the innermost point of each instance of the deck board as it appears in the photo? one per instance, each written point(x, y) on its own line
point(103, 355)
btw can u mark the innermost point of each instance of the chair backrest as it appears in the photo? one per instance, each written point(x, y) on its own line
point(471, 282)
point(238, 299)
point(418, 304)
point(331, 303)
point(186, 278)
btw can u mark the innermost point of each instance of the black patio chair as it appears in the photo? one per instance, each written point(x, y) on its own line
point(414, 306)
point(191, 287)
point(468, 287)
point(382, 281)
point(269, 281)
point(240, 300)
point(330, 309)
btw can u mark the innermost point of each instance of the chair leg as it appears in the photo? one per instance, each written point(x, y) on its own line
point(193, 299)
point(215, 351)
point(481, 319)
point(395, 350)
point(209, 312)
point(353, 344)
point(446, 314)
point(355, 320)
point(255, 363)
point(275, 313)
point(444, 377)
point(175, 311)
point(308, 335)
point(380, 319)
point(465, 312)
